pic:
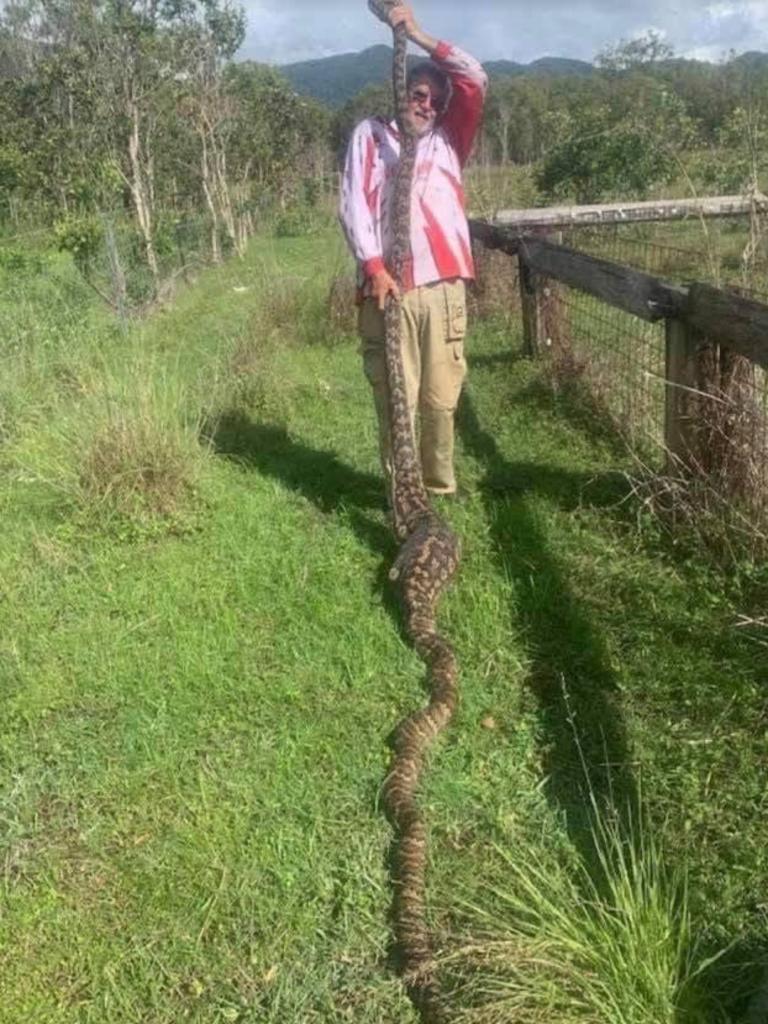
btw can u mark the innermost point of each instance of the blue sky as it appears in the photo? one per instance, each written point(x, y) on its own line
point(281, 31)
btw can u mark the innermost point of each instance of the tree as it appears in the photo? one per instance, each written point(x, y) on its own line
point(206, 40)
point(515, 121)
point(374, 100)
point(629, 139)
point(280, 137)
point(635, 53)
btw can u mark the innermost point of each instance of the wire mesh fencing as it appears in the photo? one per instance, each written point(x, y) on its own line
point(727, 252)
point(111, 255)
point(614, 357)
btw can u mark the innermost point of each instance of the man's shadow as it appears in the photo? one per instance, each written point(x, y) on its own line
point(331, 485)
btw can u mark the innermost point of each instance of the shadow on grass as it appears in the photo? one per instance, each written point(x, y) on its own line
point(320, 476)
point(492, 360)
point(570, 675)
point(583, 733)
point(733, 989)
point(678, 544)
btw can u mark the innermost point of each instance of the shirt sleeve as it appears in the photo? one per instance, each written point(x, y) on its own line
point(360, 193)
point(469, 83)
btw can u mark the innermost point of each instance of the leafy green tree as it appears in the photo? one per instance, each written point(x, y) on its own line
point(628, 140)
point(374, 100)
point(516, 117)
point(280, 138)
point(740, 163)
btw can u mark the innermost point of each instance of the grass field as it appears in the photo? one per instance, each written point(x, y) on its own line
point(201, 660)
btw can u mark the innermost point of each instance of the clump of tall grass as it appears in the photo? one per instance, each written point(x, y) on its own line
point(608, 944)
point(305, 309)
point(134, 465)
point(128, 448)
point(291, 310)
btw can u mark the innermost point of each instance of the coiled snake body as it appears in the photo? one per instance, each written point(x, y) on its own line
point(427, 559)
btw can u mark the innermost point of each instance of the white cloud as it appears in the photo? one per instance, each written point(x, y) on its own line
point(747, 18)
point(722, 10)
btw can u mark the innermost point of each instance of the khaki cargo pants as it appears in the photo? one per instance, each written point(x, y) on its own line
point(434, 325)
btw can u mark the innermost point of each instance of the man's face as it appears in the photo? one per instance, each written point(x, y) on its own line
point(425, 102)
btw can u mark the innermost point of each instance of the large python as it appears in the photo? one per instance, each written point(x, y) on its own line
point(427, 560)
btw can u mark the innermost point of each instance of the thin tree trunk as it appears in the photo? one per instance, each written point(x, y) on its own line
point(140, 191)
point(208, 192)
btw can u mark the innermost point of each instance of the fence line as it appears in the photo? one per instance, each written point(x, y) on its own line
point(680, 366)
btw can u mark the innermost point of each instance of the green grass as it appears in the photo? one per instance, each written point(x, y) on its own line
point(566, 942)
point(197, 703)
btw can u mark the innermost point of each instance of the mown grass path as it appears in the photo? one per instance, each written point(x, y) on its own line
point(194, 728)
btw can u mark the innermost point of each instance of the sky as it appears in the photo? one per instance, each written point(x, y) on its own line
point(283, 31)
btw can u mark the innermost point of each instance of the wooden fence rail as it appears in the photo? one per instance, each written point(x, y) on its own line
point(629, 213)
point(696, 316)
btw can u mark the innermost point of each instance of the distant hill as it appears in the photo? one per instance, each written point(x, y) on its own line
point(753, 60)
point(334, 80)
point(552, 66)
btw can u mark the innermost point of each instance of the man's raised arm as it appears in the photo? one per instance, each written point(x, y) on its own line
point(469, 82)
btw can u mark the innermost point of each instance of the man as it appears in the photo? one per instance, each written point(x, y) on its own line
point(445, 102)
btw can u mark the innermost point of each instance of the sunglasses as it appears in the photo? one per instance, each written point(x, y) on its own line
point(422, 96)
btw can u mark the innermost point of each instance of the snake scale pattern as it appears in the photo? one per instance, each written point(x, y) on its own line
point(427, 560)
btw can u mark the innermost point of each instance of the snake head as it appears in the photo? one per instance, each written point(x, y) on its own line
point(381, 8)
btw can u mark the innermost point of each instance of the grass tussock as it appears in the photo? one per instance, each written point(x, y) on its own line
point(609, 945)
point(135, 466)
point(126, 448)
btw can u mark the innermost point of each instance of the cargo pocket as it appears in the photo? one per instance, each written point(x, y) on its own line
point(456, 327)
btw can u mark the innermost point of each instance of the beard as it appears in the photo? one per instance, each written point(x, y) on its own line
point(421, 125)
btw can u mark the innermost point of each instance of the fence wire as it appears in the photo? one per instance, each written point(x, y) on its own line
point(616, 360)
point(726, 252)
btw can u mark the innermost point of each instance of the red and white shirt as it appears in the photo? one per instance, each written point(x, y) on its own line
point(440, 246)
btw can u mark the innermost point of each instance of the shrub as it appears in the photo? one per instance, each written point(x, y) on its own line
point(81, 235)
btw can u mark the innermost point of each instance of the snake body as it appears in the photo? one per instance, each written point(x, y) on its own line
point(428, 558)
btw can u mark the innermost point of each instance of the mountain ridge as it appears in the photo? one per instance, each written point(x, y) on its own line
point(336, 79)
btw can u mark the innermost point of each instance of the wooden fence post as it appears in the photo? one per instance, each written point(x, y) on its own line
point(681, 391)
point(531, 303)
